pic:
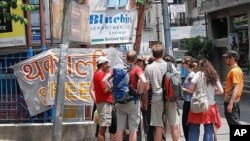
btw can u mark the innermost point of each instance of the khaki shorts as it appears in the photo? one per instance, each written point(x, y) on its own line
point(157, 113)
point(173, 117)
point(104, 111)
point(128, 115)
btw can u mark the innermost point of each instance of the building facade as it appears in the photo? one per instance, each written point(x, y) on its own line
point(228, 26)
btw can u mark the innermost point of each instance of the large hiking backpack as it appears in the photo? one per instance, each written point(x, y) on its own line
point(122, 90)
point(171, 84)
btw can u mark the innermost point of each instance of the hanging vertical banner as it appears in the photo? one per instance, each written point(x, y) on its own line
point(79, 15)
point(112, 21)
point(78, 21)
point(37, 76)
point(57, 8)
point(12, 33)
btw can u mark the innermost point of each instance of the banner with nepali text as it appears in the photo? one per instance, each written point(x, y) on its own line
point(37, 76)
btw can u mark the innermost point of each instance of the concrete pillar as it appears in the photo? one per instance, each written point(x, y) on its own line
point(248, 15)
point(209, 27)
point(229, 24)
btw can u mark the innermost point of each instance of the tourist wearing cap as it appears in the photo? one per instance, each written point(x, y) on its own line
point(233, 88)
point(103, 98)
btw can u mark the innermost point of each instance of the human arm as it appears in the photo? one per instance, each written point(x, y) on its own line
point(193, 83)
point(187, 83)
point(106, 79)
point(219, 89)
point(234, 96)
point(92, 91)
point(145, 97)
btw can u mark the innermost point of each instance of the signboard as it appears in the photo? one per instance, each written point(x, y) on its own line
point(79, 15)
point(37, 76)
point(12, 33)
point(112, 26)
point(177, 8)
point(187, 32)
point(79, 31)
point(112, 21)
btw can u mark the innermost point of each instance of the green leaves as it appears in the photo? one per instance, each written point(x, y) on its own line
point(139, 1)
point(26, 7)
point(200, 47)
point(12, 4)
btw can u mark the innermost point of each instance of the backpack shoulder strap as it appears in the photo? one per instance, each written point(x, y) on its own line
point(170, 67)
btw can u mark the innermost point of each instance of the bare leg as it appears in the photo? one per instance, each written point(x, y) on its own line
point(119, 135)
point(175, 133)
point(132, 135)
point(112, 137)
point(158, 133)
point(101, 134)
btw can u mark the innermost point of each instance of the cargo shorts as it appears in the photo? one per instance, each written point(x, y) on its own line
point(105, 114)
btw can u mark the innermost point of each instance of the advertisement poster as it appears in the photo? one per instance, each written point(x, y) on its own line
point(12, 33)
point(233, 42)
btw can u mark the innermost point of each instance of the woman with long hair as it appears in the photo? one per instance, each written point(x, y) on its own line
point(188, 64)
point(208, 79)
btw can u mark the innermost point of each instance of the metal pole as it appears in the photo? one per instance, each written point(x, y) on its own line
point(61, 78)
point(51, 22)
point(167, 36)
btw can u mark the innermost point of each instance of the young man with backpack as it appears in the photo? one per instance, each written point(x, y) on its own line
point(154, 74)
point(124, 87)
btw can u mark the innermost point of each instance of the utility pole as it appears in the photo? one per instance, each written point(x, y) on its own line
point(157, 23)
point(139, 27)
point(166, 25)
point(61, 78)
point(42, 23)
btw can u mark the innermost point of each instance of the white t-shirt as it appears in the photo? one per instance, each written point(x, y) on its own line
point(199, 80)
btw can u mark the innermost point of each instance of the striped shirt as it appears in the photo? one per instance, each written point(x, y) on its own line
point(154, 73)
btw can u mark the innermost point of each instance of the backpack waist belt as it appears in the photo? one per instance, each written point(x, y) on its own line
point(125, 101)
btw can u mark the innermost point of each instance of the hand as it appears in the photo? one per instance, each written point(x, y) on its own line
point(145, 107)
point(184, 89)
point(106, 90)
point(229, 108)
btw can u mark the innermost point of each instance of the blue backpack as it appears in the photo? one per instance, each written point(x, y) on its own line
point(122, 90)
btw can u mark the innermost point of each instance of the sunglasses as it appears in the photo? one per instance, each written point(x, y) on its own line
point(227, 57)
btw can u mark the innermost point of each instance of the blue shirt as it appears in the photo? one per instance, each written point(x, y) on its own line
point(186, 85)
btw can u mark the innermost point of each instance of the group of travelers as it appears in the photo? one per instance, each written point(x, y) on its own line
point(146, 79)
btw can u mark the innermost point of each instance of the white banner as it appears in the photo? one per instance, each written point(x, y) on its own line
point(112, 26)
point(112, 21)
point(177, 8)
point(37, 77)
point(182, 32)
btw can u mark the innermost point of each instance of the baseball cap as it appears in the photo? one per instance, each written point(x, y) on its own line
point(232, 53)
point(101, 60)
point(139, 57)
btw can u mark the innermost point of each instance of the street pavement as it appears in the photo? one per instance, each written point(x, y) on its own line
point(223, 132)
